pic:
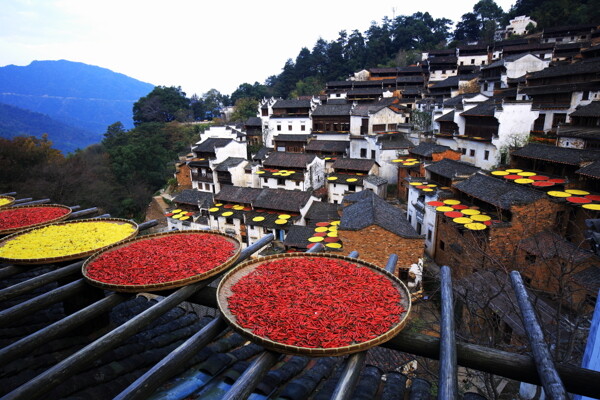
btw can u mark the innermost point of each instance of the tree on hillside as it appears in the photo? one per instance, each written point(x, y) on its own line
point(163, 104)
point(209, 106)
point(245, 90)
point(550, 13)
point(244, 108)
point(311, 86)
point(419, 32)
point(481, 23)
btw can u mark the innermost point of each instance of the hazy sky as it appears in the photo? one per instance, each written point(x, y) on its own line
point(195, 44)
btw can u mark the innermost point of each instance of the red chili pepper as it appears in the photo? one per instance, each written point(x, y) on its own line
point(162, 259)
point(27, 216)
point(315, 302)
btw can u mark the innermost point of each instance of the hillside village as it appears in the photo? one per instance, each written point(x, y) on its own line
point(503, 173)
point(481, 158)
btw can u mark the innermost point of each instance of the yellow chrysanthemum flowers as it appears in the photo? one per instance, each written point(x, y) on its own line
point(67, 239)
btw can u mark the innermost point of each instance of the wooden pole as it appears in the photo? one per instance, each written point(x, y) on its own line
point(448, 381)
point(553, 386)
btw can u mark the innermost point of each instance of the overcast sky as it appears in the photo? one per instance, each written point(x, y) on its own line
point(195, 44)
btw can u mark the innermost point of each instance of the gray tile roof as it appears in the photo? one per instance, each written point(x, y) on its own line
point(549, 245)
point(353, 164)
point(591, 110)
point(253, 121)
point(291, 104)
point(427, 149)
point(365, 110)
point(485, 109)
point(194, 197)
point(562, 155)
point(448, 117)
point(504, 60)
point(236, 194)
point(457, 100)
point(228, 163)
point(583, 67)
point(394, 141)
point(589, 278)
point(210, 144)
point(562, 88)
point(262, 153)
point(291, 138)
point(452, 169)
point(497, 192)
point(332, 110)
point(373, 210)
point(336, 146)
point(592, 170)
point(492, 289)
point(375, 180)
point(280, 159)
point(322, 212)
point(365, 91)
point(446, 83)
point(297, 236)
point(578, 132)
point(281, 200)
point(357, 196)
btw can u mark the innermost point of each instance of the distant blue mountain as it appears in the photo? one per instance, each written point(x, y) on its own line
point(80, 95)
point(16, 121)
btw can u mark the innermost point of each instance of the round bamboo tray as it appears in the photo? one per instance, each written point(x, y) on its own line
point(10, 199)
point(66, 257)
point(50, 221)
point(233, 276)
point(163, 285)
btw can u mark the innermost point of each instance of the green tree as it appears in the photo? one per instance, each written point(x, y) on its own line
point(245, 90)
point(311, 86)
point(244, 108)
point(163, 104)
point(481, 23)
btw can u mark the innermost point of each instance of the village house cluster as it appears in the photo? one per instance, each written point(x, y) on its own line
point(482, 158)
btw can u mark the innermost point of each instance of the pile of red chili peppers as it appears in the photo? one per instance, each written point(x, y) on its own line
point(315, 302)
point(24, 217)
point(161, 259)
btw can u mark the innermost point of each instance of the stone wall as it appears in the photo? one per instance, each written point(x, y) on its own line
point(375, 244)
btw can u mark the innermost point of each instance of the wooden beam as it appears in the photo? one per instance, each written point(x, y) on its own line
point(448, 381)
point(553, 386)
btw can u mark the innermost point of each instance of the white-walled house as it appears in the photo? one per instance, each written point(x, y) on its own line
point(380, 117)
point(421, 215)
point(251, 213)
point(229, 172)
point(507, 71)
point(223, 132)
point(476, 54)
point(484, 132)
point(557, 91)
point(286, 117)
point(352, 175)
point(210, 152)
point(292, 171)
point(383, 149)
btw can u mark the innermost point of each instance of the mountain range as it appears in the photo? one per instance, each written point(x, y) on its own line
point(77, 101)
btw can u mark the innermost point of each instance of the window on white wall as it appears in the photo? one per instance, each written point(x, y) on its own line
point(472, 153)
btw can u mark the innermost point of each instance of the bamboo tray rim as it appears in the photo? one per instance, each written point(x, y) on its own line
point(38, 224)
point(75, 256)
point(163, 285)
point(10, 199)
point(233, 276)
